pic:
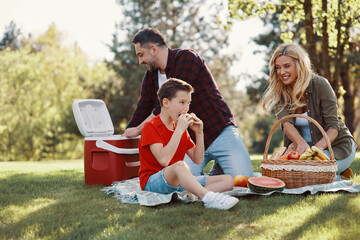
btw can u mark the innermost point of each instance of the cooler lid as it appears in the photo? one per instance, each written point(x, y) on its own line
point(92, 117)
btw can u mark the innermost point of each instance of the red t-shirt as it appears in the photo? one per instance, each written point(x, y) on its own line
point(154, 131)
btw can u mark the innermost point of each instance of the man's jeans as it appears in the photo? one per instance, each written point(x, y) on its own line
point(228, 150)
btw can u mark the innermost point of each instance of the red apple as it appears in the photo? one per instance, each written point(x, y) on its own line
point(294, 155)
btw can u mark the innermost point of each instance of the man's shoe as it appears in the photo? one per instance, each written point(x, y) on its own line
point(215, 170)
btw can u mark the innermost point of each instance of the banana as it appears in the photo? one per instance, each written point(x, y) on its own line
point(307, 155)
point(315, 156)
point(320, 153)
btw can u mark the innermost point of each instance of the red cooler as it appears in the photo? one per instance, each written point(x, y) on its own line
point(107, 157)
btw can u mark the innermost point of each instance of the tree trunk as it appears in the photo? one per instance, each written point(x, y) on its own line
point(325, 44)
point(339, 52)
point(348, 97)
point(345, 82)
point(309, 31)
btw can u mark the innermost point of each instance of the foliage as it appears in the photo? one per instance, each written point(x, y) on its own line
point(49, 200)
point(260, 133)
point(326, 28)
point(11, 37)
point(39, 82)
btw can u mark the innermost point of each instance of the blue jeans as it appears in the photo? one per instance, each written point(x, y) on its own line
point(157, 183)
point(229, 151)
point(343, 164)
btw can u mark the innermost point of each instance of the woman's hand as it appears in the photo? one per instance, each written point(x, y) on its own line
point(302, 147)
point(295, 137)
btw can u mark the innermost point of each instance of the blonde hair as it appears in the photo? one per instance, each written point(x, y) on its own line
point(277, 91)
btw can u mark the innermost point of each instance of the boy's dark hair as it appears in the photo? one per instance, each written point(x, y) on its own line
point(149, 35)
point(171, 86)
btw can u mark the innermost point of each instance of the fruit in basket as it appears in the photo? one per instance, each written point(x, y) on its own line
point(313, 153)
point(265, 184)
point(240, 181)
point(283, 157)
point(315, 156)
point(307, 155)
point(291, 147)
point(294, 155)
point(320, 153)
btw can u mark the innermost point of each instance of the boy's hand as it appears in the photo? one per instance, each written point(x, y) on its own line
point(183, 121)
point(197, 125)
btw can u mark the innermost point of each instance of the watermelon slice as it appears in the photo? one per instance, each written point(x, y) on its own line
point(265, 184)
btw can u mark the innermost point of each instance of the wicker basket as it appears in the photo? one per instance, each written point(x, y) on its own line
point(299, 173)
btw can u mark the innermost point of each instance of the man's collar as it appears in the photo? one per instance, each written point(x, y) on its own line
point(171, 59)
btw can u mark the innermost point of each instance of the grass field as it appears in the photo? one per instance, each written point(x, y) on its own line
point(49, 200)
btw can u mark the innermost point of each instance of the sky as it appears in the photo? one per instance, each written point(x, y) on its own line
point(91, 23)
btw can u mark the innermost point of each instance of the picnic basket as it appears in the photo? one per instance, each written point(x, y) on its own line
point(299, 173)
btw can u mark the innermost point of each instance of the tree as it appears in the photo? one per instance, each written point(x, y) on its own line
point(39, 82)
point(11, 38)
point(184, 23)
point(325, 29)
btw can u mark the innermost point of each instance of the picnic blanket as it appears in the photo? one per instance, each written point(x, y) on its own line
point(129, 191)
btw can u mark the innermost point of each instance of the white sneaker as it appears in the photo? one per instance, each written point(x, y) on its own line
point(221, 201)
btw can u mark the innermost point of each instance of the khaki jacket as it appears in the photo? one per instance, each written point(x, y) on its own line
point(322, 106)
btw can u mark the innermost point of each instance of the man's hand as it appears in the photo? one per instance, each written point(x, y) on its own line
point(132, 132)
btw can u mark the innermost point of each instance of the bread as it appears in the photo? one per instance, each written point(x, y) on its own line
point(291, 147)
point(277, 153)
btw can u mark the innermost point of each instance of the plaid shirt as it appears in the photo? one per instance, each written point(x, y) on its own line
point(207, 102)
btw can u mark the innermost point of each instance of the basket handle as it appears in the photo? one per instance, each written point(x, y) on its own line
point(300, 116)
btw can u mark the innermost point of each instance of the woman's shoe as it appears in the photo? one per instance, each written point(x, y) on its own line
point(347, 174)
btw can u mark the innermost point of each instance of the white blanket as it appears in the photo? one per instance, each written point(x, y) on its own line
point(129, 191)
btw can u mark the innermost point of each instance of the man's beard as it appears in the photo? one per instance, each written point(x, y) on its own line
point(152, 67)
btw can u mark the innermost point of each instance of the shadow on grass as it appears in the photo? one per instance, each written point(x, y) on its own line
point(63, 207)
point(355, 166)
point(194, 221)
point(19, 189)
point(51, 205)
point(58, 205)
point(336, 220)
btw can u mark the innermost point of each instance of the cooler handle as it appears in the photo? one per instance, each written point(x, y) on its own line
point(107, 146)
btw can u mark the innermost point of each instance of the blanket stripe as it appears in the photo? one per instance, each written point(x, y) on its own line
point(129, 191)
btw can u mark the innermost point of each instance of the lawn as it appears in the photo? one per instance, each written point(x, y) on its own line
point(49, 200)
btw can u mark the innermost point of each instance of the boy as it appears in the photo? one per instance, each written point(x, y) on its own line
point(163, 144)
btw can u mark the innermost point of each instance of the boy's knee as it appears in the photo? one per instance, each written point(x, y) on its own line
point(180, 165)
point(229, 181)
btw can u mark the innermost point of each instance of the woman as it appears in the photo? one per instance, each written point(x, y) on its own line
point(295, 89)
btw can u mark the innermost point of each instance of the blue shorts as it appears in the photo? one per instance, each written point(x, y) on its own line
point(157, 183)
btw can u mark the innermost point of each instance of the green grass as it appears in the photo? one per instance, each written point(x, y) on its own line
point(49, 200)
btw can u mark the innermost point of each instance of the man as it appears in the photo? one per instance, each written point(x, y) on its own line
point(222, 140)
